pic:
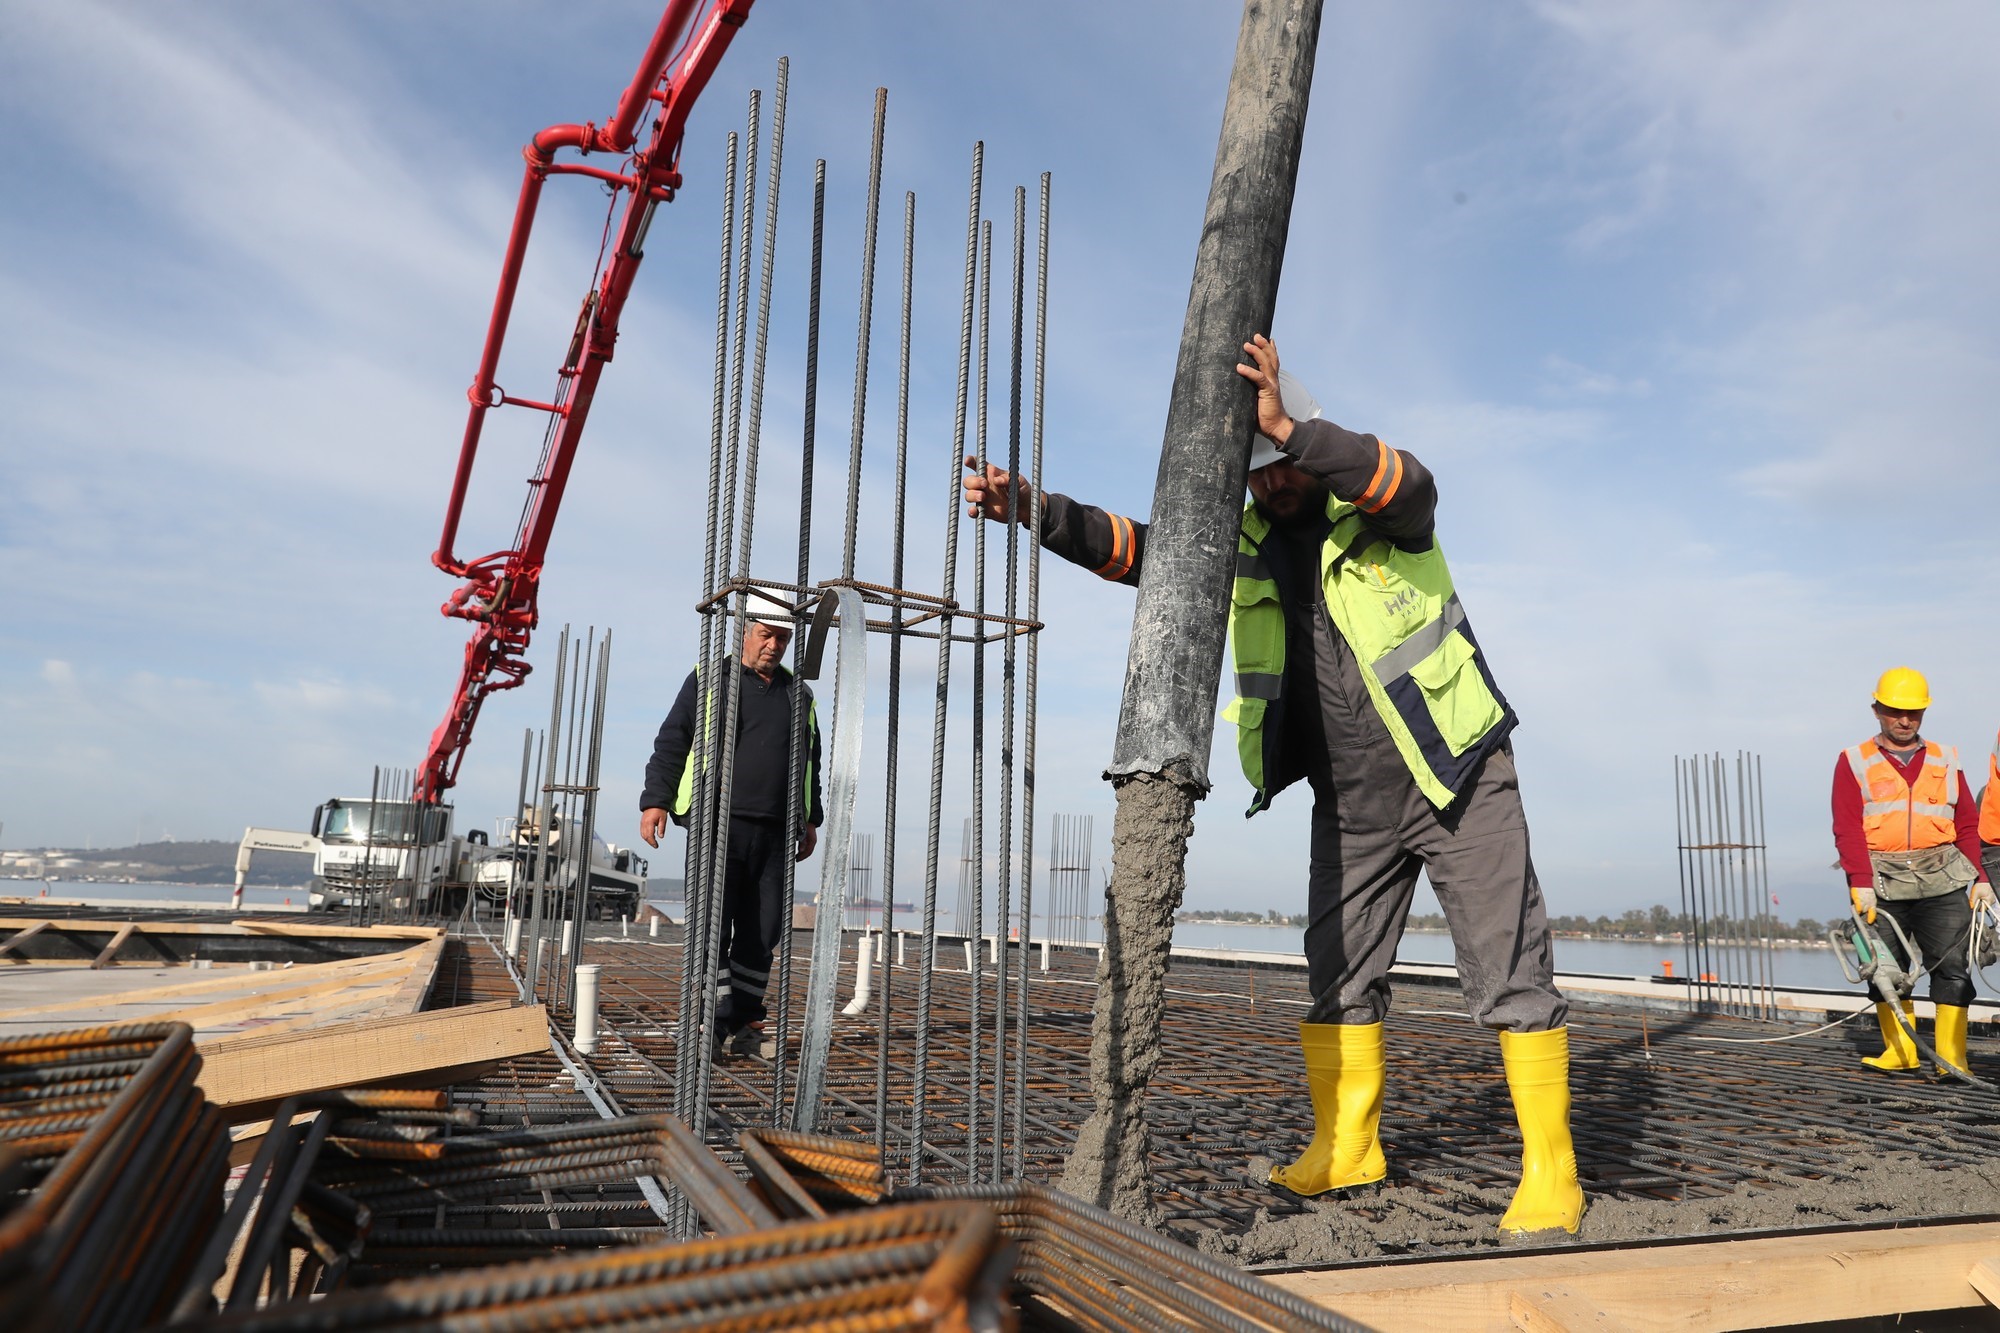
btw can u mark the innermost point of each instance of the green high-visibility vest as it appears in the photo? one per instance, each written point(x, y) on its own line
point(1401, 616)
point(684, 794)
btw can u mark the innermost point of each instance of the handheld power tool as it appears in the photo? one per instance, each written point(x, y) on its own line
point(1866, 959)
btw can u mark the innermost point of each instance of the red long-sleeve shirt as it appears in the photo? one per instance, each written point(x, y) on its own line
point(1851, 840)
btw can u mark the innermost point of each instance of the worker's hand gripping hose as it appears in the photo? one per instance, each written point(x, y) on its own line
point(1866, 959)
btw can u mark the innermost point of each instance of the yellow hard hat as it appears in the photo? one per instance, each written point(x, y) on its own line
point(1903, 687)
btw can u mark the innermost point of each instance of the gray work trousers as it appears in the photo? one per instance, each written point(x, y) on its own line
point(1369, 841)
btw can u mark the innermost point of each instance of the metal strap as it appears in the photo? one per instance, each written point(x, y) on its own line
point(843, 777)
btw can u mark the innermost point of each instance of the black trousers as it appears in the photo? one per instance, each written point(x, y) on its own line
point(1939, 926)
point(753, 891)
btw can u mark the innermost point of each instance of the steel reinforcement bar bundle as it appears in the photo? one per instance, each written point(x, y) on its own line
point(111, 1172)
point(814, 1240)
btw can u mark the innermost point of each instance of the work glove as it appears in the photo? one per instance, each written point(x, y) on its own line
point(1981, 895)
point(1863, 897)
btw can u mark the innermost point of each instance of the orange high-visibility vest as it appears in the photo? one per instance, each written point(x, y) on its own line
point(1989, 803)
point(1899, 817)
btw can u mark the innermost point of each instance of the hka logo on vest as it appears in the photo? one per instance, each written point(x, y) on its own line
point(1402, 603)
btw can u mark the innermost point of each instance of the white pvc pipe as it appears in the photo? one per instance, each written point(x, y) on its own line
point(1045, 955)
point(899, 948)
point(567, 927)
point(993, 949)
point(968, 955)
point(511, 944)
point(625, 926)
point(653, 926)
point(586, 1008)
point(863, 968)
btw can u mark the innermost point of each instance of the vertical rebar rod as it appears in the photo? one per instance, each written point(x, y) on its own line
point(593, 769)
point(752, 432)
point(552, 740)
point(895, 682)
point(1737, 939)
point(1739, 841)
point(1726, 871)
point(582, 819)
point(782, 965)
point(1686, 923)
point(1764, 874)
point(520, 801)
point(1029, 685)
point(523, 823)
point(701, 825)
point(731, 632)
point(867, 317)
point(740, 331)
point(565, 802)
point(1009, 659)
point(1702, 941)
point(1684, 775)
point(920, 1073)
point(972, 1154)
point(575, 881)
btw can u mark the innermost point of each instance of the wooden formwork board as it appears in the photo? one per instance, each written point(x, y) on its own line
point(1676, 1288)
point(259, 1069)
point(222, 999)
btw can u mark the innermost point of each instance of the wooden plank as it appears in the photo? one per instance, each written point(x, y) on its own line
point(246, 926)
point(1985, 1279)
point(416, 987)
point(236, 977)
point(28, 934)
point(256, 1069)
point(252, 926)
point(110, 951)
point(1680, 1288)
point(1552, 1308)
point(278, 999)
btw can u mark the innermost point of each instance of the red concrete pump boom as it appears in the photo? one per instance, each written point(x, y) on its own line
point(500, 589)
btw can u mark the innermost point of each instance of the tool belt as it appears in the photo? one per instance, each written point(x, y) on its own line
point(1929, 873)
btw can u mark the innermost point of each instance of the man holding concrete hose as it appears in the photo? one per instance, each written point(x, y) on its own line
point(1907, 832)
point(1357, 671)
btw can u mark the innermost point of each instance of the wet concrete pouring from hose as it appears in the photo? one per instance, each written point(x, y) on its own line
point(1677, 1133)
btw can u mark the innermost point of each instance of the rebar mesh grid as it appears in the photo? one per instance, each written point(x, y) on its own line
point(1663, 1110)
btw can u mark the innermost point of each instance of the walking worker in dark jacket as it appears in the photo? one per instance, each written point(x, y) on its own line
point(1356, 670)
point(753, 890)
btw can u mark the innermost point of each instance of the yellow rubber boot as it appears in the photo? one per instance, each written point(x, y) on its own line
point(1548, 1197)
point(1344, 1069)
point(1898, 1051)
point(1950, 1035)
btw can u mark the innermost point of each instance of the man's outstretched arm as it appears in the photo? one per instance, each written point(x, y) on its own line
point(1109, 545)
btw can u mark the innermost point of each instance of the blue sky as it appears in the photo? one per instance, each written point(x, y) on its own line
point(1690, 307)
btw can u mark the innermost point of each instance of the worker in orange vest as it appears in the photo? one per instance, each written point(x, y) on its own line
point(1907, 830)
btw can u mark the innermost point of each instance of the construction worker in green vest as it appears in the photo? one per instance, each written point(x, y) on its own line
point(1357, 671)
point(765, 796)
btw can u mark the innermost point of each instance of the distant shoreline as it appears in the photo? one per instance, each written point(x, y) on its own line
point(1663, 941)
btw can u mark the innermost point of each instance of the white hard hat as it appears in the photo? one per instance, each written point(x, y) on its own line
point(1300, 405)
point(765, 609)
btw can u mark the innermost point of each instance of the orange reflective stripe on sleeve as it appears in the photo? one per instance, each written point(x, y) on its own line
point(1388, 478)
point(1122, 554)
